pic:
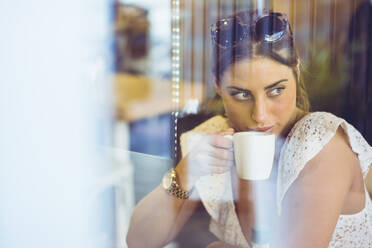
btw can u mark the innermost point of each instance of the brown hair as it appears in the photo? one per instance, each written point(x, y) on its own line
point(282, 51)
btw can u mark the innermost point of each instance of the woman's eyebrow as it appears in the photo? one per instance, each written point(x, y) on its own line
point(275, 84)
point(237, 88)
point(267, 87)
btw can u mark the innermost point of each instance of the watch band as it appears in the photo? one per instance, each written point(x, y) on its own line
point(175, 189)
point(178, 192)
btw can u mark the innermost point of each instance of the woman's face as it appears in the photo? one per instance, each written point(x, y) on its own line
point(259, 95)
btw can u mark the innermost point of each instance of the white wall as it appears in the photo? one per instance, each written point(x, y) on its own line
point(54, 106)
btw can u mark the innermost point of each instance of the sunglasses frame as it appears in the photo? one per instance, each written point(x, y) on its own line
point(247, 29)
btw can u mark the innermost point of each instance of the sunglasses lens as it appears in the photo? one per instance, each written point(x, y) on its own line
point(270, 28)
point(228, 32)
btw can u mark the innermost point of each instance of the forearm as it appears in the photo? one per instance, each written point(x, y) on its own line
point(245, 208)
point(158, 218)
point(256, 208)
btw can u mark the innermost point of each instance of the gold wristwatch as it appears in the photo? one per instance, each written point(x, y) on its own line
point(172, 187)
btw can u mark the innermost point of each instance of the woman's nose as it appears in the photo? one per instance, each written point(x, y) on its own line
point(259, 111)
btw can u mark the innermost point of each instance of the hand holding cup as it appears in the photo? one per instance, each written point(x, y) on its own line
point(212, 154)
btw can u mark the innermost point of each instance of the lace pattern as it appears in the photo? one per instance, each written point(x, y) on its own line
point(215, 190)
point(354, 230)
point(306, 139)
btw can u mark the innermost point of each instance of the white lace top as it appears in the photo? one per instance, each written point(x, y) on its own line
point(305, 140)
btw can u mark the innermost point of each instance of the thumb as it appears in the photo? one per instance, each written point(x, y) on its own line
point(227, 131)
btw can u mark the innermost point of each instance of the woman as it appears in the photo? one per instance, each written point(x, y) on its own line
point(316, 193)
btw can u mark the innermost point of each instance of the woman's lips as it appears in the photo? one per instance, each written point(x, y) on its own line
point(267, 129)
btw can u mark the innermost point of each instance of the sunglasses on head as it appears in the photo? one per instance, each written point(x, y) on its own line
point(268, 28)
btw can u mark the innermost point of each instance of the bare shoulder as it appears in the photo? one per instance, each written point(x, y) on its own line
point(332, 167)
point(317, 196)
point(330, 144)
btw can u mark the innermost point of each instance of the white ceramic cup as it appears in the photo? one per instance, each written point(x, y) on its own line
point(254, 154)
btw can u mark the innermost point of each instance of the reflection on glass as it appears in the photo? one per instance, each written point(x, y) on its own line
point(266, 68)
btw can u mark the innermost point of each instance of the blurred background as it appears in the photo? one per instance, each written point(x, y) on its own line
point(332, 39)
point(329, 36)
point(95, 94)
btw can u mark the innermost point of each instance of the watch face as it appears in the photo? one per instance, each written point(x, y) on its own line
point(167, 180)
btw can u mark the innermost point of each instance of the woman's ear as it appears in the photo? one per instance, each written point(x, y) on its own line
point(216, 85)
point(298, 69)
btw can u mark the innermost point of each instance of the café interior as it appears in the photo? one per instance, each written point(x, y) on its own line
point(155, 83)
point(152, 60)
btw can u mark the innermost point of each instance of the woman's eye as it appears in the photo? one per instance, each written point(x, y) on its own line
point(241, 95)
point(276, 91)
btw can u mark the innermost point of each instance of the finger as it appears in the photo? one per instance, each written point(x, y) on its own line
point(220, 141)
point(219, 153)
point(204, 165)
point(210, 161)
point(227, 131)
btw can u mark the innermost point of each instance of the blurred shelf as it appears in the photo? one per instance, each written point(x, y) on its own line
point(139, 97)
